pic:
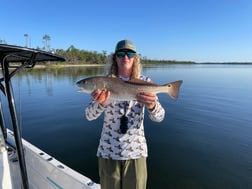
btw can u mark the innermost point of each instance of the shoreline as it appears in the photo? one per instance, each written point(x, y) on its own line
point(52, 65)
point(67, 65)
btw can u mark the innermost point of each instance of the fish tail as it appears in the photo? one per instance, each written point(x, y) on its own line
point(173, 88)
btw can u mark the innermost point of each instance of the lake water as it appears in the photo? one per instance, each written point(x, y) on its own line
point(203, 143)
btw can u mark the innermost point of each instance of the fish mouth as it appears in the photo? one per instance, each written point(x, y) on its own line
point(81, 89)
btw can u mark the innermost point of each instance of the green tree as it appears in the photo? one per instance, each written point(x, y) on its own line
point(26, 39)
point(2, 41)
point(46, 40)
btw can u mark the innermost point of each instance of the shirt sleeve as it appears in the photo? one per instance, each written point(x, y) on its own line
point(158, 113)
point(93, 110)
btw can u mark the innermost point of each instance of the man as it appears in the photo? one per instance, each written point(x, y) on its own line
point(122, 150)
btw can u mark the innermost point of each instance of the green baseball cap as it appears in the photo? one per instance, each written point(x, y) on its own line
point(125, 44)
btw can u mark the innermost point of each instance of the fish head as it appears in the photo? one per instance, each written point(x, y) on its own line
point(87, 85)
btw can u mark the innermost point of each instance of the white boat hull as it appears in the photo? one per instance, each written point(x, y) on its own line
point(45, 171)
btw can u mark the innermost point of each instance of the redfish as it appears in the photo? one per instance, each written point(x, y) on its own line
point(127, 90)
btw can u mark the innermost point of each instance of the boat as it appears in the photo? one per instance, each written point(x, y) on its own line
point(22, 164)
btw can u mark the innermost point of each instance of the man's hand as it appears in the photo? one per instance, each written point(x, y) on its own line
point(101, 96)
point(148, 99)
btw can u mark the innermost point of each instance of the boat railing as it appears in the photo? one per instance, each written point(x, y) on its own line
point(14, 59)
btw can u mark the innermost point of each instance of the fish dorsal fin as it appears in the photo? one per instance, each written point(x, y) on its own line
point(140, 82)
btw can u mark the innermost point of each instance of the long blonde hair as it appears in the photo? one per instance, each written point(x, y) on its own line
point(113, 69)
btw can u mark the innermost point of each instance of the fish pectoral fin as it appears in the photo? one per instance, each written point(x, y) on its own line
point(111, 75)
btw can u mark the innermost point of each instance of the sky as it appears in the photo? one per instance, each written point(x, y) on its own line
point(182, 30)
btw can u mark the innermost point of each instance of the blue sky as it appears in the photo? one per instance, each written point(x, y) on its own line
point(191, 30)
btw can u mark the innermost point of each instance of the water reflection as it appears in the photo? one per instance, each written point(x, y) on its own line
point(71, 72)
point(46, 78)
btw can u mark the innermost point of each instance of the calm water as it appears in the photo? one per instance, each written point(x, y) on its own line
point(203, 143)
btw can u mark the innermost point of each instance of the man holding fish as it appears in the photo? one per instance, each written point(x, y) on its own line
point(122, 97)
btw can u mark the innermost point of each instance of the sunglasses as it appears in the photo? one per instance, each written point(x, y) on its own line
point(121, 54)
point(124, 124)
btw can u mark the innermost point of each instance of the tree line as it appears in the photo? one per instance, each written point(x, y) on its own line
point(77, 56)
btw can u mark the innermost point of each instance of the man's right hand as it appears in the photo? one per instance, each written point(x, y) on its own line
point(101, 96)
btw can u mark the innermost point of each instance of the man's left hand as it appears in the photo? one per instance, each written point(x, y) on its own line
point(148, 99)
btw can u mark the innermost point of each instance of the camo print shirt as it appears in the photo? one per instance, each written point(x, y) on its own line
point(115, 145)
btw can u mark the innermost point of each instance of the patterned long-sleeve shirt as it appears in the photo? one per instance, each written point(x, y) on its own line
point(114, 144)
